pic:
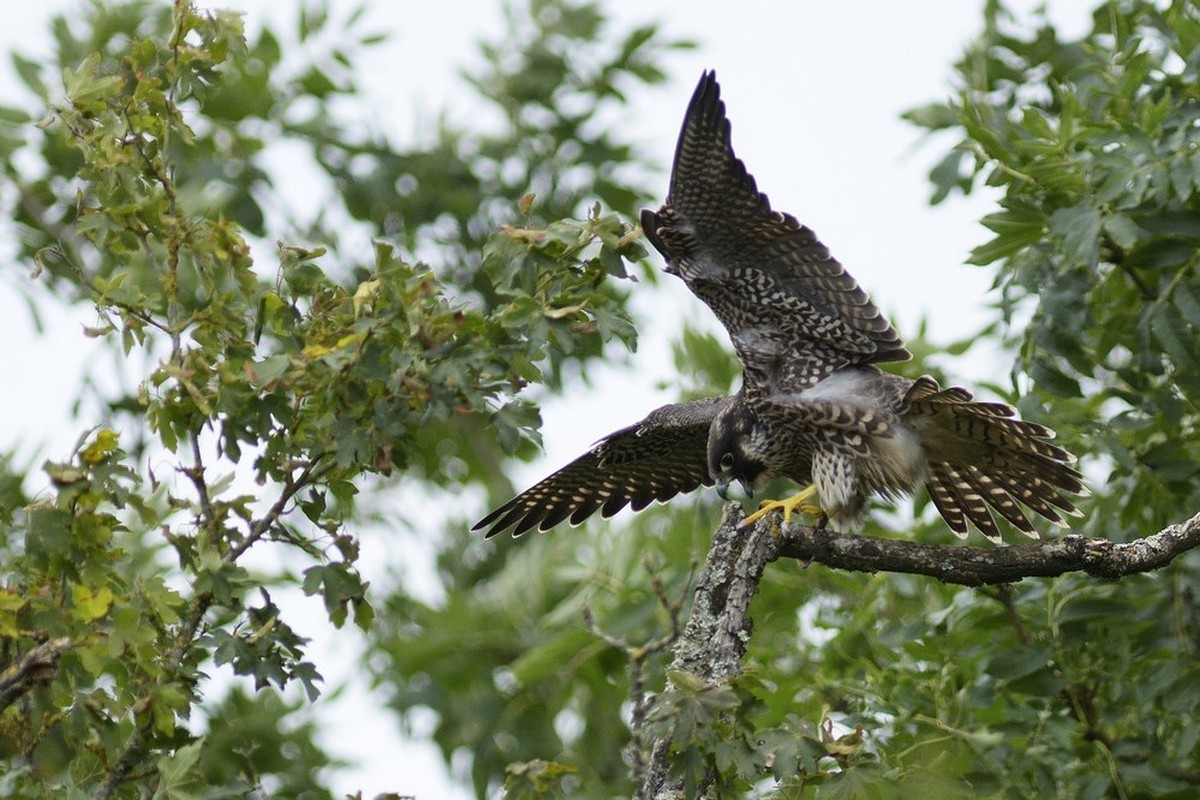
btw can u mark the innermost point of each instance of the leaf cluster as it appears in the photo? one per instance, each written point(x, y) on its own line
point(270, 394)
point(1094, 145)
point(512, 670)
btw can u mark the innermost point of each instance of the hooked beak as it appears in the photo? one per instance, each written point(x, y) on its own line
point(723, 487)
point(722, 482)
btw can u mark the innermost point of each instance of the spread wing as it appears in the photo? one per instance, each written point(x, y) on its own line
point(663, 455)
point(793, 312)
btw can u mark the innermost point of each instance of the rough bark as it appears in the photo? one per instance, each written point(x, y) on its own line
point(35, 668)
point(718, 631)
point(977, 566)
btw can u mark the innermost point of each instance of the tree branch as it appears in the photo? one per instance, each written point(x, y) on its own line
point(37, 666)
point(978, 566)
point(133, 750)
point(718, 631)
point(637, 654)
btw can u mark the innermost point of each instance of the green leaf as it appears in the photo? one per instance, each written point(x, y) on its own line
point(1051, 378)
point(529, 780)
point(30, 73)
point(49, 532)
point(1078, 230)
point(340, 586)
point(1016, 227)
point(547, 659)
point(87, 89)
point(933, 116)
point(857, 783)
point(948, 175)
point(179, 778)
point(271, 369)
point(1179, 341)
point(1123, 230)
point(1172, 222)
point(1188, 303)
point(90, 605)
point(1159, 254)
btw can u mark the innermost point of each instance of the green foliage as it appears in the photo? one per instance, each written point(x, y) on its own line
point(536, 779)
point(1038, 690)
point(270, 394)
point(249, 736)
point(1094, 144)
point(510, 667)
point(270, 399)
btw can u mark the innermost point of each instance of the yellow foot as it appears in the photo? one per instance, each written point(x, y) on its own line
point(788, 505)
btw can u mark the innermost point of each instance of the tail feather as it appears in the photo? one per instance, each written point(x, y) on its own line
point(1055, 474)
point(982, 460)
point(1040, 497)
point(946, 498)
point(962, 500)
point(996, 496)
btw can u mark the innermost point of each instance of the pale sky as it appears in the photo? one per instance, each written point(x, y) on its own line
point(814, 91)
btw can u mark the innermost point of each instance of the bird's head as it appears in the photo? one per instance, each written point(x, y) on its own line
point(731, 455)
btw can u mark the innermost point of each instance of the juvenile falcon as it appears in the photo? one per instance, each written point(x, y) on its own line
point(813, 406)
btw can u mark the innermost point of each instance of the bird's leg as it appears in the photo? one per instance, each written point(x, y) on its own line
point(788, 505)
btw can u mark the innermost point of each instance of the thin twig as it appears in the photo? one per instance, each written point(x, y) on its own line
point(637, 655)
point(132, 752)
point(195, 474)
point(291, 487)
point(1003, 594)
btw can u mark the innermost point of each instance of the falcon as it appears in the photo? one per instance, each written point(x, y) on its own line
point(813, 406)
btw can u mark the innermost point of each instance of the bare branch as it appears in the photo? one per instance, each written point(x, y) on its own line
point(1004, 595)
point(978, 566)
point(309, 474)
point(133, 751)
point(718, 631)
point(35, 667)
point(195, 473)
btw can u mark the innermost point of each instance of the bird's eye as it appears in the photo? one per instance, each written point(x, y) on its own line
point(726, 463)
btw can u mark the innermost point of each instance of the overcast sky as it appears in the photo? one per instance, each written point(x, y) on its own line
point(814, 91)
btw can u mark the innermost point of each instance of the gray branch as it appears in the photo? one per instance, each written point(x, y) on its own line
point(718, 632)
point(36, 667)
point(977, 566)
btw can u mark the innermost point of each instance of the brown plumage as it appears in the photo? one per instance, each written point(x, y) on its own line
point(793, 313)
point(861, 433)
point(652, 460)
point(979, 457)
point(813, 406)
